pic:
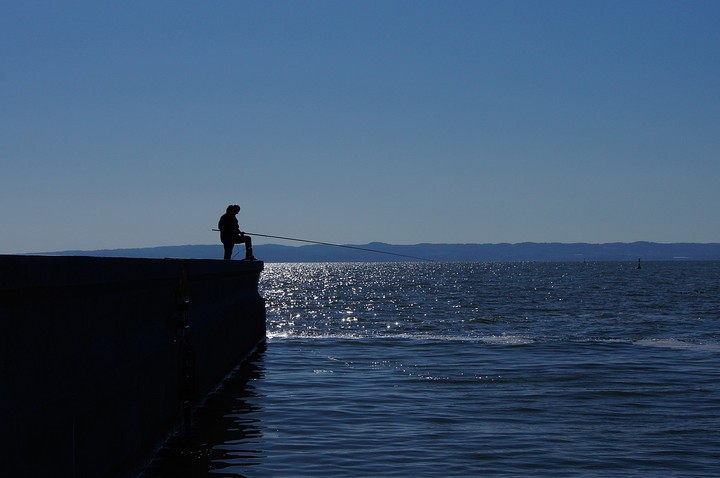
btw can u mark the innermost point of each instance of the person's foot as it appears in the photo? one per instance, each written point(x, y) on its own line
point(250, 258)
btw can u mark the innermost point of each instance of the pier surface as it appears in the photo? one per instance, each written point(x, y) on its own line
point(101, 358)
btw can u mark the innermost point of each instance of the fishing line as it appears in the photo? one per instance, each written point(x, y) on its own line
point(345, 246)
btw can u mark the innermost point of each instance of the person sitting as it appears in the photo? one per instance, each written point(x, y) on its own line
point(230, 233)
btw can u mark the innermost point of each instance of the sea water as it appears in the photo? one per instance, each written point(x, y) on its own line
point(471, 369)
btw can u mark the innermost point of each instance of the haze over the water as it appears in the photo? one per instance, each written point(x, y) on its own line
point(134, 124)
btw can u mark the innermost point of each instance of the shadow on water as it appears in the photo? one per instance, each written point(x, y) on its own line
point(227, 416)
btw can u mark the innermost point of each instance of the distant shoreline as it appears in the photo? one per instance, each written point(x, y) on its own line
point(503, 252)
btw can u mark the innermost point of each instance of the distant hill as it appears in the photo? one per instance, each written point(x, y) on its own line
point(526, 251)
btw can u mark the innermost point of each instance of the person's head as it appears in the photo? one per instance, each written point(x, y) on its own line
point(233, 209)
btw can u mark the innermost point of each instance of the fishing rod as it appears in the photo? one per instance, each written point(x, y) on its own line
point(377, 251)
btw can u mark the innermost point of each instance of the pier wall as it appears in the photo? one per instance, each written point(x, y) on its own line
point(101, 358)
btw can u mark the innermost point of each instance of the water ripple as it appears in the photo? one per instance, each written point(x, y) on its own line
point(572, 369)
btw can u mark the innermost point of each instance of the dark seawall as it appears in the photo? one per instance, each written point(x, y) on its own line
point(102, 358)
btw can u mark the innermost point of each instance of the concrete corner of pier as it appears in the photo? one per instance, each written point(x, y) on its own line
point(100, 358)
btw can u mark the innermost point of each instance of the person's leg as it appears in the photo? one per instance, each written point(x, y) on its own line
point(228, 246)
point(248, 246)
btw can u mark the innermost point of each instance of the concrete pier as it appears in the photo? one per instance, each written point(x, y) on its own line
point(101, 358)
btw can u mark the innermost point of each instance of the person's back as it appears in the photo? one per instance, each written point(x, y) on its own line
point(228, 225)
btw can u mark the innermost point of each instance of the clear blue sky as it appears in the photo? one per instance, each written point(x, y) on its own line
point(135, 123)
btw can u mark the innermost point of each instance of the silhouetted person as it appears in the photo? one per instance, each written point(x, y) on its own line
point(230, 233)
